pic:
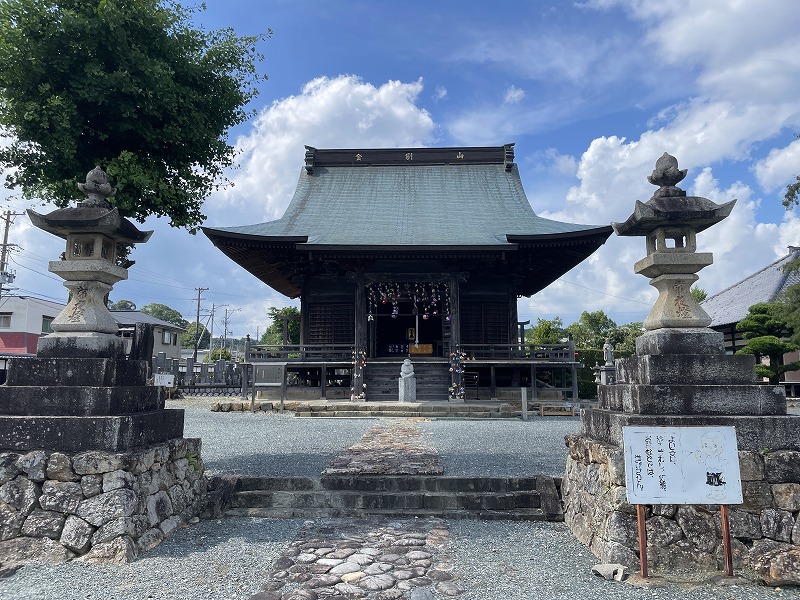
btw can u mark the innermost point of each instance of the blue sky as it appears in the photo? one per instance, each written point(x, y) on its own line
point(591, 92)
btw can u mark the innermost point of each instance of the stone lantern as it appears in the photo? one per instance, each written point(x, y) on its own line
point(681, 377)
point(670, 221)
point(93, 230)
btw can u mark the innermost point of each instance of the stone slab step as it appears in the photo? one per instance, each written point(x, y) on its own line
point(79, 401)
point(530, 514)
point(403, 483)
point(397, 501)
point(36, 371)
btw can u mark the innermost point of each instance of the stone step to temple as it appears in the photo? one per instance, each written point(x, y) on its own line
point(433, 381)
point(513, 498)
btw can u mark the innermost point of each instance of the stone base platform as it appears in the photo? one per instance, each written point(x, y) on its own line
point(765, 528)
point(108, 506)
point(73, 433)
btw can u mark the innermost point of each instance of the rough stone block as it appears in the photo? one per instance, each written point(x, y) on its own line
point(72, 434)
point(43, 523)
point(59, 468)
point(751, 465)
point(120, 550)
point(118, 479)
point(752, 433)
point(159, 508)
point(11, 521)
point(699, 340)
point(61, 496)
point(780, 567)
point(777, 524)
point(787, 496)
point(77, 534)
point(34, 465)
point(79, 401)
point(78, 345)
point(91, 485)
point(756, 496)
point(679, 399)
point(20, 493)
point(103, 508)
point(782, 466)
point(698, 527)
point(680, 557)
point(114, 529)
point(662, 531)
point(694, 369)
point(8, 466)
point(103, 372)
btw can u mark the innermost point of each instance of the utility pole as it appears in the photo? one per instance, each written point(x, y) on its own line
point(5, 275)
point(199, 290)
point(225, 327)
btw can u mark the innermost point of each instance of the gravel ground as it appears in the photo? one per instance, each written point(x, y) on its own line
point(227, 559)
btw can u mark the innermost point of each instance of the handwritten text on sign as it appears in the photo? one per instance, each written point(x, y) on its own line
point(682, 465)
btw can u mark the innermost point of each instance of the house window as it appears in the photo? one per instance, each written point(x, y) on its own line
point(168, 338)
point(47, 324)
point(5, 320)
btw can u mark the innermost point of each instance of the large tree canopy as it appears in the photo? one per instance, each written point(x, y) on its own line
point(130, 85)
point(165, 313)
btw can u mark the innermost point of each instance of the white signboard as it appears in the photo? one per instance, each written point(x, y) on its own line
point(682, 465)
point(165, 380)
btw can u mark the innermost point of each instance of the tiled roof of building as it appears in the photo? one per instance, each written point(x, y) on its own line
point(731, 305)
point(389, 204)
point(129, 318)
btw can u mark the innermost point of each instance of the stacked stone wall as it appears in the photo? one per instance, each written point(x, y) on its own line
point(765, 529)
point(108, 505)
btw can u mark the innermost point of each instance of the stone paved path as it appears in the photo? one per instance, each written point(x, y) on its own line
point(371, 558)
point(396, 448)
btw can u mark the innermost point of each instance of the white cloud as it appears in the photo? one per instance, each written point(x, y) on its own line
point(440, 92)
point(335, 112)
point(514, 95)
point(779, 168)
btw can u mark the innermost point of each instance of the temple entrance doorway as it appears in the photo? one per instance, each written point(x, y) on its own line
point(408, 319)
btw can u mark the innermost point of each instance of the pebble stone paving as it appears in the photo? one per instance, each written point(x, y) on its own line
point(371, 558)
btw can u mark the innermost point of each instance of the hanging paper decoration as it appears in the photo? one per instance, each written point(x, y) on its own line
point(428, 298)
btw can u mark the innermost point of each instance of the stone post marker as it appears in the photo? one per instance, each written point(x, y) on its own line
point(407, 382)
point(681, 376)
point(90, 460)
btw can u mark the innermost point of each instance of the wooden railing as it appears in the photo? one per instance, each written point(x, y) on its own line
point(546, 352)
point(302, 352)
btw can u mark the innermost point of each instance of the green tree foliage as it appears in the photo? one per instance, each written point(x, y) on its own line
point(591, 329)
point(220, 353)
point(122, 305)
point(623, 338)
point(129, 85)
point(187, 337)
point(766, 329)
point(274, 333)
point(698, 293)
point(165, 313)
point(546, 331)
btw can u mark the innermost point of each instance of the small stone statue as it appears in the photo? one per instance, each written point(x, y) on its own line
point(407, 369)
point(608, 353)
point(96, 188)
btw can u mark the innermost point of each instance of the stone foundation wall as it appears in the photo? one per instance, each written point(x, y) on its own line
point(765, 529)
point(107, 505)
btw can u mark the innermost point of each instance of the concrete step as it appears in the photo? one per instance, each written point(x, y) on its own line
point(526, 498)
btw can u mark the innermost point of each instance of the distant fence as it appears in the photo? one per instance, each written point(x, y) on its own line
point(203, 376)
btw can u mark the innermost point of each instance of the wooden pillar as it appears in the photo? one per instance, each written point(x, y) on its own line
point(455, 312)
point(304, 313)
point(360, 327)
